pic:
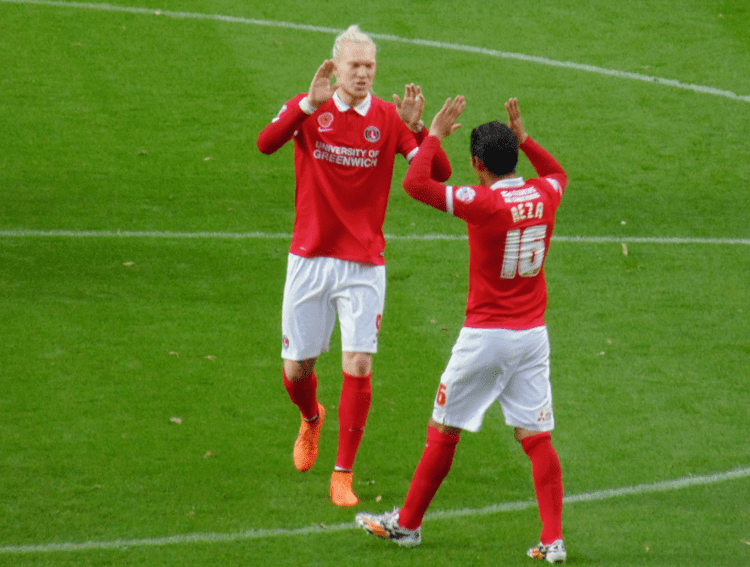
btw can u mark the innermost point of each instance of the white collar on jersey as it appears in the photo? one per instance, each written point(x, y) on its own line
point(362, 108)
point(508, 183)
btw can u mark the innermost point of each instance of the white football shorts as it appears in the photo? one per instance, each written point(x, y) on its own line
point(316, 290)
point(486, 365)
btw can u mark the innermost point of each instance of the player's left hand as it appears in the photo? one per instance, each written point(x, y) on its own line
point(444, 123)
point(410, 109)
point(514, 120)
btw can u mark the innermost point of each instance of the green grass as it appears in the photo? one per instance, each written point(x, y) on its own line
point(107, 118)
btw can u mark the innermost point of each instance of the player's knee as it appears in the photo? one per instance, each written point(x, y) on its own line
point(299, 369)
point(520, 433)
point(445, 429)
point(357, 363)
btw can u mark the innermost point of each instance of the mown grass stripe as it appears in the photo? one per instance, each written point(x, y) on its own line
point(386, 37)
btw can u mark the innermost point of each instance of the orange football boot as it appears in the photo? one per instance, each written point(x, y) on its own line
point(341, 489)
point(306, 445)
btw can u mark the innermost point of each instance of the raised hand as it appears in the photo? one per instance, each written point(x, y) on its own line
point(321, 89)
point(514, 120)
point(444, 123)
point(410, 109)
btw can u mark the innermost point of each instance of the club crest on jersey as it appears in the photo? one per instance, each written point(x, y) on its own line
point(465, 194)
point(372, 134)
point(325, 121)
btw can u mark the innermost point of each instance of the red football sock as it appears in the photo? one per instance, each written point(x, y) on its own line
point(432, 469)
point(304, 394)
point(547, 473)
point(354, 406)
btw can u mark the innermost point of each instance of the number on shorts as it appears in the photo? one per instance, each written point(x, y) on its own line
point(524, 252)
point(441, 395)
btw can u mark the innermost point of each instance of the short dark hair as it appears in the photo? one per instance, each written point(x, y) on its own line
point(497, 146)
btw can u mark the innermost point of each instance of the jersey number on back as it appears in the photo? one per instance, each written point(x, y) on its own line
point(524, 252)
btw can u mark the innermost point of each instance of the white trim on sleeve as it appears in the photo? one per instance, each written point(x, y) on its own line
point(449, 199)
point(306, 107)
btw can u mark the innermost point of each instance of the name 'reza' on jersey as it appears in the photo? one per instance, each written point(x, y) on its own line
point(510, 225)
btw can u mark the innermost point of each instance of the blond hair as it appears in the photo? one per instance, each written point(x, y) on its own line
point(352, 35)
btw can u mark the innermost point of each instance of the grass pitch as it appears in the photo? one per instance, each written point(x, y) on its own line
point(143, 417)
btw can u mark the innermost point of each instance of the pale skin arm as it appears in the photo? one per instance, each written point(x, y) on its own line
point(411, 107)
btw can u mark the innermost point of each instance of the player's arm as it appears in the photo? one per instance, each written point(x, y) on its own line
point(420, 182)
point(410, 111)
point(544, 164)
point(441, 165)
point(444, 124)
point(283, 126)
point(287, 122)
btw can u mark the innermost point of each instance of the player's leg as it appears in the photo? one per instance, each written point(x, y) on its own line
point(307, 322)
point(433, 467)
point(354, 408)
point(527, 405)
point(547, 474)
point(301, 384)
point(467, 388)
point(359, 302)
point(404, 526)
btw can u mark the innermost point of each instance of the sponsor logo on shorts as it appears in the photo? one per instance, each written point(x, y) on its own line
point(545, 416)
point(285, 341)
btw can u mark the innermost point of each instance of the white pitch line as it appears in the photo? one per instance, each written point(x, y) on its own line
point(599, 495)
point(23, 233)
point(385, 37)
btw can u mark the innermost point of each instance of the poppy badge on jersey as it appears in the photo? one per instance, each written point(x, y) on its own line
point(325, 121)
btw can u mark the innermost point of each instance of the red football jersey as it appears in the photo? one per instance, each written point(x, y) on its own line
point(510, 225)
point(343, 160)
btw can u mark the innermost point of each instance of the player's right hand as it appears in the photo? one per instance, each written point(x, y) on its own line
point(444, 123)
point(321, 89)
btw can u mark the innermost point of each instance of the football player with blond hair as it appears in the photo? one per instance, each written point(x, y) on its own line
point(345, 144)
